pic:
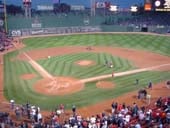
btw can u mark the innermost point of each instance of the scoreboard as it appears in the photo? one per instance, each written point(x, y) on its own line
point(157, 5)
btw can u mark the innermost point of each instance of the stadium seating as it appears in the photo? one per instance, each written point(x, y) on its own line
point(155, 115)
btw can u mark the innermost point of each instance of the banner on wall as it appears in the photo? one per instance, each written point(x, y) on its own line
point(16, 33)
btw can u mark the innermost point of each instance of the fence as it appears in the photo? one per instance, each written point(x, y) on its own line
point(57, 30)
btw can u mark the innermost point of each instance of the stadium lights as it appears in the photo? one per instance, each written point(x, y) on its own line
point(157, 3)
point(113, 8)
point(167, 4)
point(133, 8)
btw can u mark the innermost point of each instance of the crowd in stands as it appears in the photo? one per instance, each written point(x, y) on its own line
point(121, 116)
point(150, 19)
point(5, 41)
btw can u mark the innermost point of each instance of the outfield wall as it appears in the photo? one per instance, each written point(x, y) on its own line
point(84, 29)
point(57, 30)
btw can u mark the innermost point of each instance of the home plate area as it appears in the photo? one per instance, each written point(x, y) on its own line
point(58, 86)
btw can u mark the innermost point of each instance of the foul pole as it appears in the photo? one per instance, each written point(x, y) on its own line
point(5, 17)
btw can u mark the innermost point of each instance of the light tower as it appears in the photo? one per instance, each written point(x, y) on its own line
point(27, 8)
point(5, 17)
point(93, 8)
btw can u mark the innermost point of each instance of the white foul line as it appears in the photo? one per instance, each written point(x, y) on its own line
point(37, 67)
point(122, 73)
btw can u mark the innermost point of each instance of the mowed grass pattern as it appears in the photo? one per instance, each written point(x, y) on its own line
point(22, 90)
point(154, 43)
point(65, 65)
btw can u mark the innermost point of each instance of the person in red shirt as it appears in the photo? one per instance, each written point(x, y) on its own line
point(119, 107)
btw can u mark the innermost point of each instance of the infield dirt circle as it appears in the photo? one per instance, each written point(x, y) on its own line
point(58, 86)
point(85, 62)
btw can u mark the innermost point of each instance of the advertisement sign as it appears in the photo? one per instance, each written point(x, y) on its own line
point(37, 32)
point(36, 25)
point(15, 33)
point(113, 8)
point(77, 7)
point(167, 4)
point(45, 7)
point(133, 8)
point(148, 5)
point(162, 5)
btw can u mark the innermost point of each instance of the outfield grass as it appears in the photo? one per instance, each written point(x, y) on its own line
point(21, 90)
point(154, 43)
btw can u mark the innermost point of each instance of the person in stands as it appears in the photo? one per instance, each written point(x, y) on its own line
point(150, 85)
point(74, 109)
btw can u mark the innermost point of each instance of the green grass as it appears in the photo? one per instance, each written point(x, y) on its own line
point(65, 65)
point(154, 43)
point(22, 90)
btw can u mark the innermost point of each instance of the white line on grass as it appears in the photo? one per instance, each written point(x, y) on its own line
point(122, 73)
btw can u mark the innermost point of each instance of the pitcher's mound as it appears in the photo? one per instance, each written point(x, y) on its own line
point(85, 62)
point(58, 86)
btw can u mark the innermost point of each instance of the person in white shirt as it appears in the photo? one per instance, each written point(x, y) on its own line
point(138, 125)
point(39, 116)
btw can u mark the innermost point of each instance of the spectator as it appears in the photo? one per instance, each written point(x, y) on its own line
point(61, 108)
point(141, 116)
point(12, 102)
point(168, 117)
point(168, 84)
point(137, 81)
point(74, 110)
point(124, 116)
point(148, 119)
point(17, 113)
point(134, 110)
point(159, 102)
point(150, 85)
point(138, 125)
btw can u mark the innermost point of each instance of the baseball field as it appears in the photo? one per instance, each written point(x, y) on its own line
point(84, 69)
